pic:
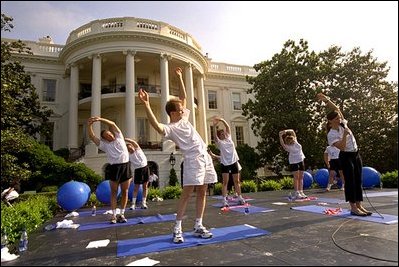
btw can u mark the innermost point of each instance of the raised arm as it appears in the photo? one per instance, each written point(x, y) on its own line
point(182, 93)
point(330, 104)
point(145, 99)
point(134, 143)
point(92, 136)
point(280, 134)
point(226, 125)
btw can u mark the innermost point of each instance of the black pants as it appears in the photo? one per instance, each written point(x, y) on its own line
point(352, 165)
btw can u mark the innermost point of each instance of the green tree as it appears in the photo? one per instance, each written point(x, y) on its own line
point(20, 105)
point(249, 160)
point(173, 177)
point(284, 97)
point(21, 113)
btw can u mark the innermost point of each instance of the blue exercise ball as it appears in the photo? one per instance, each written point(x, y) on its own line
point(139, 196)
point(87, 189)
point(371, 177)
point(103, 192)
point(321, 177)
point(72, 195)
point(307, 180)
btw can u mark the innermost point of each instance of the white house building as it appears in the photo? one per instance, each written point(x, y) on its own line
point(101, 67)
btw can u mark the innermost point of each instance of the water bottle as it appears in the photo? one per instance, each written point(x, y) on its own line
point(93, 210)
point(23, 241)
point(246, 209)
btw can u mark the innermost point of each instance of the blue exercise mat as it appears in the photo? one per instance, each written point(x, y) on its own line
point(375, 217)
point(130, 221)
point(137, 246)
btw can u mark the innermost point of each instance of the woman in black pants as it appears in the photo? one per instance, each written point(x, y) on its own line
point(342, 137)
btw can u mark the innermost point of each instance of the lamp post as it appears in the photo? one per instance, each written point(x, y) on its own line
point(172, 160)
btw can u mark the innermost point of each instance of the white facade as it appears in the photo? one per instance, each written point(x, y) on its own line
point(100, 68)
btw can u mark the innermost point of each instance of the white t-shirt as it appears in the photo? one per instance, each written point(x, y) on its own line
point(116, 150)
point(332, 151)
point(295, 153)
point(137, 159)
point(186, 137)
point(228, 153)
point(334, 136)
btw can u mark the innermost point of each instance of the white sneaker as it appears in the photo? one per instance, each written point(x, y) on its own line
point(177, 236)
point(342, 187)
point(144, 206)
point(132, 207)
point(303, 195)
point(328, 187)
point(298, 195)
point(202, 232)
point(225, 203)
point(241, 201)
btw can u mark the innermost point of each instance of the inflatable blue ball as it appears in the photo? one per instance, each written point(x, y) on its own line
point(72, 196)
point(87, 189)
point(321, 177)
point(307, 180)
point(371, 177)
point(139, 197)
point(103, 192)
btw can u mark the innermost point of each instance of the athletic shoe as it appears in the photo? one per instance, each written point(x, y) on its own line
point(342, 187)
point(303, 195)
point(241, 201)
point(328, 187)
point(133, 207)
point(177, 236)
point(113, 220)
point(144, 206)
point(121, 218)
point(225, 203)
point(202, 232)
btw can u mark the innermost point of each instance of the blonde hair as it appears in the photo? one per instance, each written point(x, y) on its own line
point(289, 140)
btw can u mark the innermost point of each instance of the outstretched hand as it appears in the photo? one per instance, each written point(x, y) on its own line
point(143, 96)
point(179, 71)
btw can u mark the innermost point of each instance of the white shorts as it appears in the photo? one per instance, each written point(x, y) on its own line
point(199, 171)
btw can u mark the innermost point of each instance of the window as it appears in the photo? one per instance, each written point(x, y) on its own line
point(239, 135)
point(48, 138)
point(49, 87)
point(212, 100)
point(142, 130)
point(236, 101)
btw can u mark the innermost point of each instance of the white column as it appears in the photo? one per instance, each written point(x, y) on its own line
point(73, 108)
point(188, 82)
point(202, 122)
point(164, 66)
point(130, 96)
point(95, 101)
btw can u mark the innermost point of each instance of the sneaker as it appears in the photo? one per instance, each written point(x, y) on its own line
point(144, 206)
point(132, 207)
point(121, 218)
point(342, 187)
point(298, 195)
point(328, 187)
point(241, 201)
point(178, 236)
point(225, 203)
point(303, 195)
point(113, 220)
point(202, 232)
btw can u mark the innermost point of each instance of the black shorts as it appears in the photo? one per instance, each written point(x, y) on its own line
point(300, 166)
point(335, 165)
point(118, 172)
point(141, 175)
point(233, 168)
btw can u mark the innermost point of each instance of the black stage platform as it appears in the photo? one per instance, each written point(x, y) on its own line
point(296, 237)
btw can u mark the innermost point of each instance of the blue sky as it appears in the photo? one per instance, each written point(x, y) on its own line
point(233, 32)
